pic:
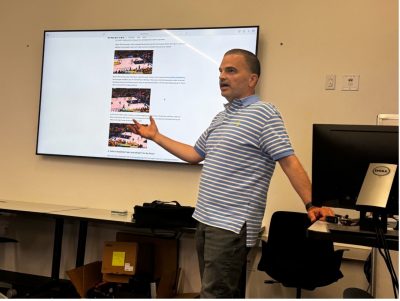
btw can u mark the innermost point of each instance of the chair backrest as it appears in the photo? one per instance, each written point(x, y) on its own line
point(295, 260)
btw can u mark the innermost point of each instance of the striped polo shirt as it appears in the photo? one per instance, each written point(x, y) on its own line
point(240, 148)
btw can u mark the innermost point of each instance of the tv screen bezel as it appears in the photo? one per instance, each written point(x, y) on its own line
point(257, 27)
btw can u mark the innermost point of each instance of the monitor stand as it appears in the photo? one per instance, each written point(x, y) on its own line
point(374, 194)
point(371, 223)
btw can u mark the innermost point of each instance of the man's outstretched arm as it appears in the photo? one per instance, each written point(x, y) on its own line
point(301, 183)
point(181, 150)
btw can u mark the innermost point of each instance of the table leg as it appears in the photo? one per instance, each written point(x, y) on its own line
point(80, 252)
point(58, 236)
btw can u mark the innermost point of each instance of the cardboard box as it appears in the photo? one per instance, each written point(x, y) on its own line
point(164, 265)
point(119, 261)
point(152, 256)
point(85, 277)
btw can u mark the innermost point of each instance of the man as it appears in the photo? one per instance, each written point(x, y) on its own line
point(240, 149)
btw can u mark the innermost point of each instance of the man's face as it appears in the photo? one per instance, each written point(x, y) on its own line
point(235, 79)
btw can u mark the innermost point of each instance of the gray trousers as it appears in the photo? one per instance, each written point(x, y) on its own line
point(222, 260)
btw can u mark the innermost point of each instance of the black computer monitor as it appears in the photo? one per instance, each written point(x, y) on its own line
point(341, 155)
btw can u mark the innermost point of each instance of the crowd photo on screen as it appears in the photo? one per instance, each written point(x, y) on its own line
point(130, 100)
point(121, 136)
point(133, 62)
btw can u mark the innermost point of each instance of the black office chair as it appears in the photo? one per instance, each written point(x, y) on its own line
point(293, 259)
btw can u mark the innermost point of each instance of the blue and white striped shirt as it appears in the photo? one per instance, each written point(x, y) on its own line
point(240, 148)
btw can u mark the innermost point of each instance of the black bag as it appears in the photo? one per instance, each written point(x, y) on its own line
point(159, 214)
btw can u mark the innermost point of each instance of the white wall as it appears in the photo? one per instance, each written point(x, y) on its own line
point(300, 43)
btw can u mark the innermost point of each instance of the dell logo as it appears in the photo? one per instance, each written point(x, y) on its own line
point(381, 171)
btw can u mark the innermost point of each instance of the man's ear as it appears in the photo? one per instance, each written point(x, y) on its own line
point(253, 80)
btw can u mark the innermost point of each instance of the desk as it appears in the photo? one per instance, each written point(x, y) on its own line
point(84, 215)
point(44, 209)
point(60, 213)
point(351, 235)
point(29, 207)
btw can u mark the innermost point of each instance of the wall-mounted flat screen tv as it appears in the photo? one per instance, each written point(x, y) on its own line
point(95, 82)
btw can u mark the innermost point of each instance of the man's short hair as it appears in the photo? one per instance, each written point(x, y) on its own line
point(250, 58)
